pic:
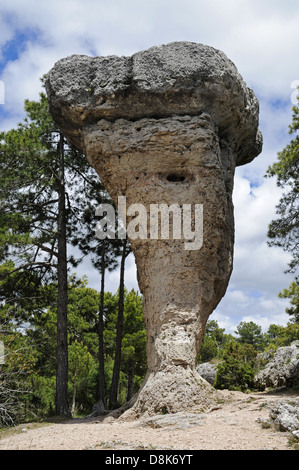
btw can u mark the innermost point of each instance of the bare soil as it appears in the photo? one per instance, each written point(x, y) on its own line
point(235, 424)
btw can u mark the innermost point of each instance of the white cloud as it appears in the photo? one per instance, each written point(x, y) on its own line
point(255, 207)
point(258, 275)
point(6, 34)
point(239, 305)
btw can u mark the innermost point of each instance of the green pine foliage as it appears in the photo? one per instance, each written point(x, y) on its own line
point(284, 231)
point(236, 370)
point(292, 293)
point(30, 347)
point(236, 356)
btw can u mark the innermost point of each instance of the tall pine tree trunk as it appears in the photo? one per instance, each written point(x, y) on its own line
point(119, 332)
point(62, 406)
point(101, 329)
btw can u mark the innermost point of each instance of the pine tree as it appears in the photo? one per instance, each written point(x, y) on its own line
point(119, 328)
point(42, 187)
point(104, 255)
point(284, 231)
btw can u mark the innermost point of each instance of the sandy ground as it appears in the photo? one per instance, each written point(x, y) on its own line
point(233, 425)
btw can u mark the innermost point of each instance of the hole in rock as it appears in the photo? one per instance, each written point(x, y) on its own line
point(174, 178)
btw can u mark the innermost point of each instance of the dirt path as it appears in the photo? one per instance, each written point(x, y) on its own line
point(235, 425)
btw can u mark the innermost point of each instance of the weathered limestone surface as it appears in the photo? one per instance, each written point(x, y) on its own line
point(281, 368)
point(167, 125)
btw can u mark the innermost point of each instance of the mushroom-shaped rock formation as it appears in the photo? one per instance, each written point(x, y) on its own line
point(165, 129)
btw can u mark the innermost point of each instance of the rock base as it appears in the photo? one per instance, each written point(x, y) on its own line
point(173, 390)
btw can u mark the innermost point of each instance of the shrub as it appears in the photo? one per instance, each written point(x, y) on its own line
point(236, 370)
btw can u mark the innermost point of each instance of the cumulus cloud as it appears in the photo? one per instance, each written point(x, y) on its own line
point(236, 306)
point(258, 275)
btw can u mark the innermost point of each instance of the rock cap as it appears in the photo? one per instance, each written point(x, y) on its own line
point(179, 78)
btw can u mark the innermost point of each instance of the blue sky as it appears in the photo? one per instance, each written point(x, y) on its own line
point(260, 36)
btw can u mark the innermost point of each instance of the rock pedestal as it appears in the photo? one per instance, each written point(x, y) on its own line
point(165, 130)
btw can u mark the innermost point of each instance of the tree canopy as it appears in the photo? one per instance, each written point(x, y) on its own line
point(284, 231)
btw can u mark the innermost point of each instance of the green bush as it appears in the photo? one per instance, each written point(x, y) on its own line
point(236, 370)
